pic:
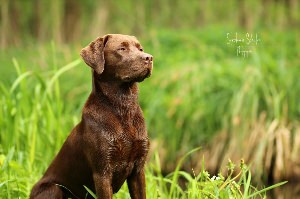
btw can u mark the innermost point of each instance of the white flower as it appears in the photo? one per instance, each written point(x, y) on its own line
point(215, 178)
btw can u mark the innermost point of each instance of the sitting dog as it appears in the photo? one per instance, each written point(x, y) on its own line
point(110, 144)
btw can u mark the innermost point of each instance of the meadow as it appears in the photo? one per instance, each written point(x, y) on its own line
point(201, 94)
point(222, 106)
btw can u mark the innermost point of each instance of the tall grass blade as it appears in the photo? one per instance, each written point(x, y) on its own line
point(175, 174)
point(18, 80)
point(266, 189)
point(90, 192)
point(60, 72)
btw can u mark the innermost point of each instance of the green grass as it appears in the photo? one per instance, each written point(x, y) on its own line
point(199, 88)
point(180, 184)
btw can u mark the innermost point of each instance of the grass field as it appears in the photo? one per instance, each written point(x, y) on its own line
point(200, 88)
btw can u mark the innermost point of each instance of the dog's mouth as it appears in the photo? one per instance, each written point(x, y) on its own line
point(148, 71)
point(139, 77)
point(145, 74)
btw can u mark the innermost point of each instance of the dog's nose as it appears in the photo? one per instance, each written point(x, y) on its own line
point(147, 57)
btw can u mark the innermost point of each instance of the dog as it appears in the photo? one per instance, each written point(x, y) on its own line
point(110, 144)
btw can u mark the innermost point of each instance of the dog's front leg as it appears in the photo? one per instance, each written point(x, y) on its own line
point(137, 185)
point(103, 187)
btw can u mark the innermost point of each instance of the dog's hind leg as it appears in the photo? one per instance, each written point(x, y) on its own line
point(46, 190)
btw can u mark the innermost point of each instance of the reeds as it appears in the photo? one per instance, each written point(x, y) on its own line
point(270, 147)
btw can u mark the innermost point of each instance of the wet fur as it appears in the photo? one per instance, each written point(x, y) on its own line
point(110, 144)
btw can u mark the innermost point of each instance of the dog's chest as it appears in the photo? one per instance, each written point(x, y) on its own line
point(131, 146)
point(125, 156)
point(128, 152)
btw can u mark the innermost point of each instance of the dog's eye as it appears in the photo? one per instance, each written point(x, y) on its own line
point(142, 50)
point(122, 49)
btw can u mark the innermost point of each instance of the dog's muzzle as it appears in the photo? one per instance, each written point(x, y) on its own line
point(148, 60)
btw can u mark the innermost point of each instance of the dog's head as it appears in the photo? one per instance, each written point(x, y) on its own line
point(118, 57)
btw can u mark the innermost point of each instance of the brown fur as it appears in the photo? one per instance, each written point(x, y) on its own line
point(110, 144)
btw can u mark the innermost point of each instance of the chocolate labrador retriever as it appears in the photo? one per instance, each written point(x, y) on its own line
point(110, 144)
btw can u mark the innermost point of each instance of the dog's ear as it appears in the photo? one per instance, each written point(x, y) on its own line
point(93, 54)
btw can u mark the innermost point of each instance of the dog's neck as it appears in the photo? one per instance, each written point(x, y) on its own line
point(116, 91)
point(120, 94)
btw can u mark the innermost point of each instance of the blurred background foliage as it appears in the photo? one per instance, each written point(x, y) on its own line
point(201, 92)
point(72, 21)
